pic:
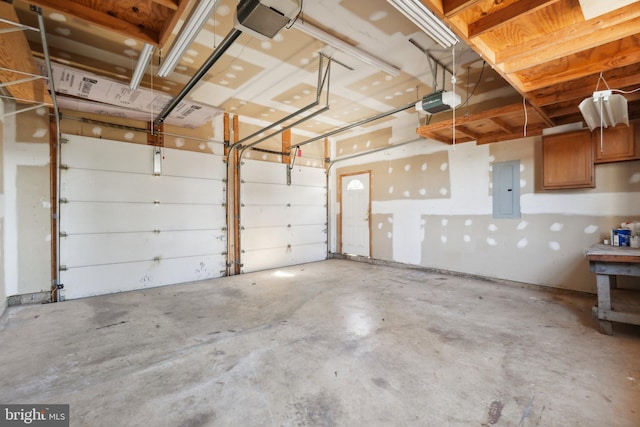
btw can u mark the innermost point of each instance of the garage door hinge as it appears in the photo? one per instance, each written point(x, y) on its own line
point(63, 200)
point(60, 286)
point(63, 268)
point(64, 167)
point(54, 216)
point(64, 140)
point(63, 234)
point(223, 253)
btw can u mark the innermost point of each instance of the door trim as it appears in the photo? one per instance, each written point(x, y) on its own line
point(339, 219)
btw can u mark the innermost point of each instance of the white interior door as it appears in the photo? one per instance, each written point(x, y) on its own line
point(355, 205)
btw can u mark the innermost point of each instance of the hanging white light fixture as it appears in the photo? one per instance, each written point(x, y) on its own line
point(604, 109)
point(190, 30)
point(418, 13)
point(143, 61)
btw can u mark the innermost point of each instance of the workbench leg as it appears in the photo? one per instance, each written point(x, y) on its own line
point(604, 301)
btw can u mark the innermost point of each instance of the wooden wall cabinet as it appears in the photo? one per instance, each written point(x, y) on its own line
point(568, 160)
point(616, 144)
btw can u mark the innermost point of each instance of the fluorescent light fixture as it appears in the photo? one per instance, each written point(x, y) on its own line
point(426, 21)
point(336, 43)
point(199, 16)
point(604, 109)
point(143, 60)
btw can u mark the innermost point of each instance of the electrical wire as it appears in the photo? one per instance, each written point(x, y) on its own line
point(466, 101)
point(526, 115)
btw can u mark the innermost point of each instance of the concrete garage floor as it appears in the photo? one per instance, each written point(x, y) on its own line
point(335, 343)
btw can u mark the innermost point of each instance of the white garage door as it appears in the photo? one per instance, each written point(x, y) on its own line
point(124, 228)
point(282, 224)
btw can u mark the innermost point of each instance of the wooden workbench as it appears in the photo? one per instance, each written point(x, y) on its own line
point(615, 305)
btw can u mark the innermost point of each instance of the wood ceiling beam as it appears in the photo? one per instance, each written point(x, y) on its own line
point(434, 136)
point(619, 78)
point(454, 7)
point(611, 55)
point(101, 19)
point(15, 54)
point(171, 23)
point(569, 40)
point(534, 130)
point(465, 130)
point(503, 125)
point(169, 4)
point(518, 10)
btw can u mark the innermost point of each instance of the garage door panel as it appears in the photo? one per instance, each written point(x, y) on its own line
point(89, 281)
point(91, 185)
point(280, 257)
point(202, 166)
point(98, 249)
point(92, 217)
point(272, 194)
point(126, 229)
point(104, 154)
point(271, 216)
point(282, 237)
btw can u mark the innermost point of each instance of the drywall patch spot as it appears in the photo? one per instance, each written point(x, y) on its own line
point(131, 42)
point(340, 151)
point(389, 235)
point(554, 246)
point(47, 238)
point(368, 144)
point(466, 238)
point(97, 130)
point(266, 45)
point(491, 241)
point(391, 189)
point(521, 167)
point(444, 222)
point(129, 136)
point(41, 111)
point(635, 178)
point(378, 15)
point(468, 222)
point(423, 167)
point(192, 52)
point(444, 166)
point(130, 53)
point(523, 183)
point(390, 219)
point(57, 17)
point(46, 204)
point(556, 226)
point(492, 158)
point(380, 225)
point(390, 170)
point(355, 147)
point(202, 146)
point(63, 31)
point(407, 168)
point(264, 156)
point(590, 229)
point(444, 191)
point(443, 239)
point(222, 10)
point(39, 133)
point(304, 61)
point(523, 243)
point(423, 191)
point(522, 225)
point(493, 227)
point(490, 168)
point(406, 194)
point(179, 142)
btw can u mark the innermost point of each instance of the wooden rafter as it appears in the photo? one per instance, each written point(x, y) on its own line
point(102, 19)
point(169, 4)
point(506, 15)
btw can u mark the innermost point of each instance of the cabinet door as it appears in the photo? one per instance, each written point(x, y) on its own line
point(568, 160)
point(614, 144)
